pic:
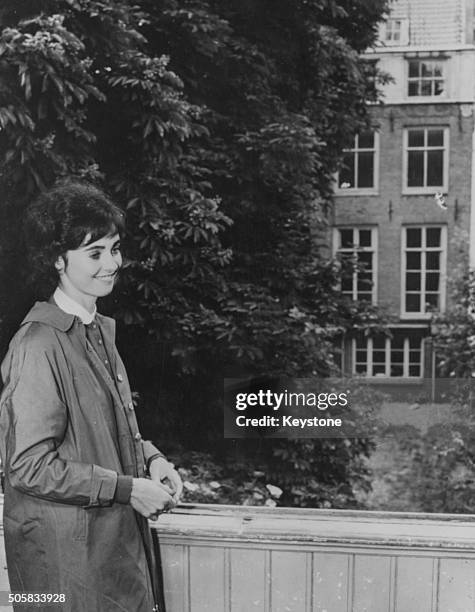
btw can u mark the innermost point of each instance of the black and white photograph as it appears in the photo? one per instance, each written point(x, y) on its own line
point(237, 305)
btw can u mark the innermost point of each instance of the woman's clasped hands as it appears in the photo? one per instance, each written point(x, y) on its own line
point(150, 498)
point(160, 493)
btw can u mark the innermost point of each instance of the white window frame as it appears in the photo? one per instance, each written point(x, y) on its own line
point(429, 60)
point(387, 364)
point(424, 189)
point(373, 249)
point(443, 269)
point(351, 191)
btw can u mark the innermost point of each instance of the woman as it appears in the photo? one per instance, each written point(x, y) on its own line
point(80, 483)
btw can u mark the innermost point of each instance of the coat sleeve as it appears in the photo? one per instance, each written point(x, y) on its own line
point(33, 421)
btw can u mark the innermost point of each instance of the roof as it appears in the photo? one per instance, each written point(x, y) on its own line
point(431, 22)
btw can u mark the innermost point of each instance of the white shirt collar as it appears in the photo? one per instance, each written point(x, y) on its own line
point(70, 306)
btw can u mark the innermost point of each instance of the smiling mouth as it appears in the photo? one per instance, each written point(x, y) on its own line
point(107, 276)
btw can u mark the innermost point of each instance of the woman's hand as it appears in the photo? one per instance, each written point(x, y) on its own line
point(163, 472)
point(149, 498)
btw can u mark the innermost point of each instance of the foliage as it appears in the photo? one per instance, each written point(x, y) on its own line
point(326, 472)
point(218, 126)
point(443, 467)
point(307, 472)
point(206, 481)
point(454, 330)
point(439, 476)
point(444, 459)
point(426, 471)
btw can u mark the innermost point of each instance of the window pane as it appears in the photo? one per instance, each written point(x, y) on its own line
point(366, 140)
point(432, 281)
point(414, 356)
point(346, 176)
point(364, 296)
point(413, 281)
point(397, 370)
point(379, 370)
point(435, 138)
point(360, 368)
point(415, 169)
point(365, 260)
point(365, 170)
point(413, 302)
point(432, 301)
point(433, 236)
point(364, 283)
point(438, 88)
point(346, 236)
point(433, 261)
point(426, 88)
point(414, 69)
point(347, 261)
point(415, 342)
point(427, 69)
point(379, 357)
point(416, 138)
point(414, 370)
point(435, 168)
point(413, 237)
point(437, 70)
point(365, 238)
point(413, 261)
point(397, 342)
point(347, 284)
point(379, 342)
point(361, 342)
point(397, 356)
point(413, 88)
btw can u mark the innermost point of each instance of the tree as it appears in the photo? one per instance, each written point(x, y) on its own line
point(218, 126)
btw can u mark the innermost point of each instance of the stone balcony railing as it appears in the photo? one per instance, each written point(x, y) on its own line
point(241, 559)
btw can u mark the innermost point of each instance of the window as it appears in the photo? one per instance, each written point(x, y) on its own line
point(426, 160)
point(395, 32)
point(423, 277)
point(399, 354)
point(425, 78)
point(356, 249)
point(359, 170)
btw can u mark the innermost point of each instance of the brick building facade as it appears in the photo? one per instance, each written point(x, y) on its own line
point(405, 199)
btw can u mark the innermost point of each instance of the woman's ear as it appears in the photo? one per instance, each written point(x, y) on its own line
point(59, 264)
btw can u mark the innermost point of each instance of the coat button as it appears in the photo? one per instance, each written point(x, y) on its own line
point(120, 378)
point(138, 436)
point(130, 405)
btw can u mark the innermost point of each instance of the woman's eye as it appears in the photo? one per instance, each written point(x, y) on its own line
point(95, 255)
point(116, 251)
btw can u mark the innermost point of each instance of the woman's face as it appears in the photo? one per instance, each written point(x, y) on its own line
point(89, 271)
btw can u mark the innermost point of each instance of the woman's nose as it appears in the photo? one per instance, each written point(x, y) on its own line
point(113, 262)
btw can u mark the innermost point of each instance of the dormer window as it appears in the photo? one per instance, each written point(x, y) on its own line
point(395, 32)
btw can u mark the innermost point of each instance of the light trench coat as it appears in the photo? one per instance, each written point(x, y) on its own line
point(64, 533)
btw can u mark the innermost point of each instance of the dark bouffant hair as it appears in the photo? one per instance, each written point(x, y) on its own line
point(60, 220)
